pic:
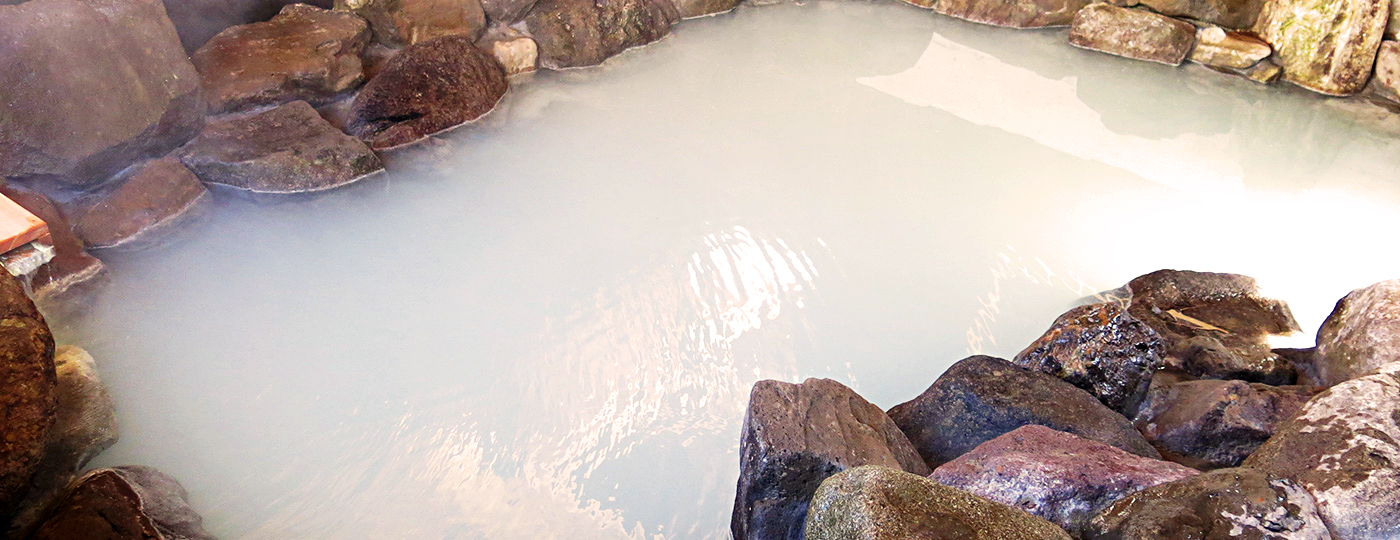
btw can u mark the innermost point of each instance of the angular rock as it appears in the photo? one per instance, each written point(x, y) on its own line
point(578, 33)
point(1132, 33)
point(124, 503)
point(1219, 48)
point(513, 50)
point(1101, 348)
point(506, 11)
point(1239, 14)
point(404, 22)
point(1207, 356)
point(880, 503)
point(304, 53)
point(425, 89)
point(90, 86)
point(198, 20)
point(980, 398)
point(1057, 476)
point(1386, 82)
point(1012, 13)
point(1361, 334)
point(690, 9)
point(795, 436)
point(28, 390)
point(1211, 424)
point(143, 207)
point(72, 274)
point(1326, 46)
point(1344, 448)
point(289, 149)
point(1219, 505)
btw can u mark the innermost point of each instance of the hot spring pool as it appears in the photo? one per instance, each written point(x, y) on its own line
point(546, 324)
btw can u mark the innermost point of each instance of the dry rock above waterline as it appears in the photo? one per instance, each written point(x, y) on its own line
point(1327, 46)
point(1211, 424)
point(404, 22)
point(1057, 476)
point(124, 503)
point(516, 52)
point(1132, 33)
point(1224, 49)
point(425, 89)
point(1219, 505)
point(881, 503)
point(1235, 14)
point(1102, 349)
point(304, 53)
point(689, 9)
point(141, 208)
point(794, 437)
point(198, 20)
point(1010, 13)
point(1361, 334)
point(90, 86)
point(28, 390)
point(1385, 83)
point(577, 33)
point(288, 149)
point(506, 11)
point(980, 398)
point(66, 281)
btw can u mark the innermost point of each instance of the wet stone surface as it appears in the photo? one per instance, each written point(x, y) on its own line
point(577, 33)
point(124, 503)
point(28, 390)
point(140, 209)
point(1132, 33)
point(1101, 348)
point(1211, 424)
point(1219, 505)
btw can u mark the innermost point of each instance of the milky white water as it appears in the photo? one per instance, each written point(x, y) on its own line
point(546, 326)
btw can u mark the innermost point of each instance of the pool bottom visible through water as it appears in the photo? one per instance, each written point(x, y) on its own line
point(546, 324)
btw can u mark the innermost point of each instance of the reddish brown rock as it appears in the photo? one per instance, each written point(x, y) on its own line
point(1012, 13)
point(690, 9)
point(1361, 334)
point(1211, 424)
point(577, 33)
point(304, 53)
point(198, 20)
point(1238, 14)
point(66, 282)
point(404, 22)
point(138, 210)
point(1132, 33)
point(28, 390)
point(1220, 505)
point(124, 503)
point(1101, 348)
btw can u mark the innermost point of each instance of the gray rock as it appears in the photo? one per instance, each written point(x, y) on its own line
point(1219, 505)
point(1211, 424)
point(578, 33)
point(1102, 349)
point(404, 22)
point(1132, 33)
point(795, 436)
point(139, 209)
point(1326, 46)
point(1239, 14)
point(1011, 13)
point(28, 390)
point(124, 503)
point(1361, 335)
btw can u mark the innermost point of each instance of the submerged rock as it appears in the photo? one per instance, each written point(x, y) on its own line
point(513, 50)
point(1011, 13)
point(795, 436)
point(1211, 424)
point(880, 503)
point(1219, 48)
point(304, 53)
point(90, 87)
point(425, 89)
point(141, 208)
point(404, 22)
point(1326, 46)
point(1061, 477)
point(289, 149)
point(1361, 334)
point(28, 390)
point(1238, 14)
point(1132, 33)
point(72, 275)
point(1101, 348)
point(1219, 505)
point(124, 503)
point(578, 33)
point(980, 398)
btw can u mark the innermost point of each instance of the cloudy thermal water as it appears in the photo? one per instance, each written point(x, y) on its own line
point(546, 325)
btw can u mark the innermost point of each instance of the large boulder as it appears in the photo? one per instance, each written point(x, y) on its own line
point(90, 86)
point(304, 53)
point(425, 89)
point(1326, 46)
point(980, 398)
point(1238, 14)
point(881, 503)
point(1344, 448)
point(1210, 424)
point(1101, 348)
point(67, 281)
point(1063, 478)
point(1132, 33)
point(1220, 505)
point(1011, 13)
point(139, 209)
point(404, 22)
point(1361, 334)
point(288, 149)
point(28, 390)
point(124, 503)
point(795, 436)
point(198, 20)
point(578, 33)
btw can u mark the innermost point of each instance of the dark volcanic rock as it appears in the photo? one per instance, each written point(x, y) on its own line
point(1102, 349)
point(198, 20)
point(1063, 478)
point(1132, 33)
point(577, 33)
point(289, 149)
point(1361, 334)
point(28, 390)
point(980, 398)
point(73, 274)
point(880, 503)
point(1344, 448)
point(1239, 14)
point(1325, 46)
point(1012, 13)
point(796, 435)
point(90, 86)
point(1211, 424)
point(425, 89)
point(304, 53)
point(124, 503)
point(405, 22)
point(1219, 505)
point(141, 208)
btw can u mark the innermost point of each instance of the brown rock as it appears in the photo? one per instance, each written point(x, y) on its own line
point(690, 9)
point(198, 20)
point(1132, 33)
point(404, 22)
point(124, 503)
point(90, 86)
point(1326, 46)
point(1211, 424)
point(1228, 13)
point(513, 50)
point(66, 281)
point(139, 209)
point(577, 33)
point(1386, 82)
point(1220, 505)
point(425, 89)
point(1101, 348)
point(28, 390)
point(1361, 334)
point(1219, 48)
point(506, 11)
point(304, 53)
point(1012, 13)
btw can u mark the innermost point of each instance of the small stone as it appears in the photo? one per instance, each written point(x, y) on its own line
point(72, 276)
point(140, 209)
point(981, 398)
point(1227, 13)
point(124, 503)
point(513, 50)
point(28, 390)
point(880, 503)
point(1101, 348)
point(288, 149)
point(304, 53)
point(1061, 477)
point(1219, 48)
point(1326, 46)
point(578, 33)
point(1011, 13)
point(795, 436)
point(1361, 334)
point(1219, 505)
point(404, 22)
point(1132, 33)
point(1386, 82)
point(1211, 424)
point(1265, 72)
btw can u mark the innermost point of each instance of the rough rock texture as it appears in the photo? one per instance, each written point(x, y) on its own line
point(1239, 14)
point(139, 209)
point(1386, 82)
point(1343, 448)
point(73, 274)
point(506, 11)
point(28, 390)
point(1101, 348)
point(425, 89)
point(980, 398)
point(1063, 478)
point(1210, 424)
point(404, 22)
point(89, 86)
point(880, 503)
point(796, 435)
point(304, 53)
point(198, 20)
point(689, 9)
point(1219, 505)
point(1219, 48)
point(1361, 334)
point(1132, 33)
point(577, 33)
point(513, 50)
point(1326, 46)
point(1011, 13)
point(289, 149)
point(124, 503)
